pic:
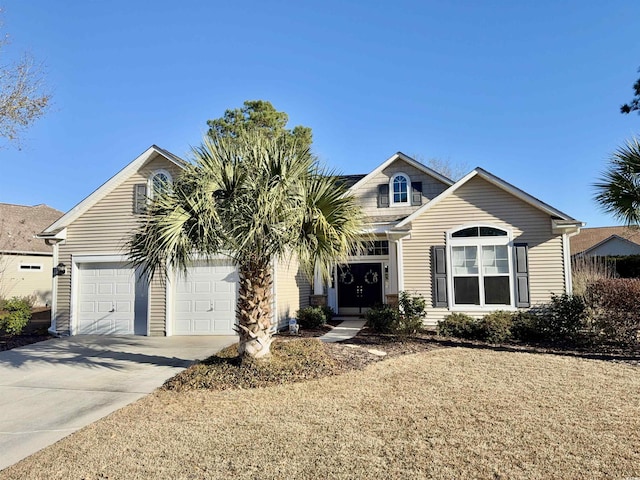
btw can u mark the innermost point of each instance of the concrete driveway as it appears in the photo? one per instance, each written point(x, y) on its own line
point(50, 389)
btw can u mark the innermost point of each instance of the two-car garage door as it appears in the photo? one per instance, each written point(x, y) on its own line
point(202, 302)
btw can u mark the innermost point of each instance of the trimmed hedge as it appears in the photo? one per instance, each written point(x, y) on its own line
point(563, 320)
point(459, 325)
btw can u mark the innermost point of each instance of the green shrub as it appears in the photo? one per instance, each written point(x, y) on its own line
point(412, 310)
point(563, 319)
point(459, 325)
point(15, 313)
point(494, 327)
point(615, 307)
point(328, 312)
point(524, 327)
point(383, 319)
point(311, 317)
point(404, 319)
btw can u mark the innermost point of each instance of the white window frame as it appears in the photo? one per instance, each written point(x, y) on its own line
point(479, 242)
point(33, 267)
point(150, 190)
point(392, 201)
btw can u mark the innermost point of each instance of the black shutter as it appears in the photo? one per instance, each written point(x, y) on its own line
point(416, 193)
point(439, 270)
point(383, 195)
point(520, 254)
point(139, 198)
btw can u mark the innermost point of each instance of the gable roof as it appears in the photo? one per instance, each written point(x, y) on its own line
point(109, 186)
point(410, 161)
point(498, 182)
point(19, 225)
point(588, 238)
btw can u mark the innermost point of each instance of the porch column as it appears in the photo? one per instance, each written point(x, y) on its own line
point(393, 268)
point(318, 298)
point(400, 265)
point(318, 287)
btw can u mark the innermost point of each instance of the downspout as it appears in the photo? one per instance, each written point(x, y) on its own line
point(566, 250)
point(53, 328)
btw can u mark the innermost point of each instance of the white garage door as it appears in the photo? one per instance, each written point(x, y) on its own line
point(205, 300)
point(106, 299)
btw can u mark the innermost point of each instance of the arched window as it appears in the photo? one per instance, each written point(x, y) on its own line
point(159, 182)
point(400, 189)
point(481, 271)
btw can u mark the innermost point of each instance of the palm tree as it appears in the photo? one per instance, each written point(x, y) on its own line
point(255, 199)
point(618, 190)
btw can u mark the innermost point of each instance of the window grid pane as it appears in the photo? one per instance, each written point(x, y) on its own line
point(481, 273)
point(400, 190)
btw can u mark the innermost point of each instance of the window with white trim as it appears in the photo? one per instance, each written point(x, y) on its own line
point(30, 267)
point(399, 189)
point(159, 182)
point(481, 271)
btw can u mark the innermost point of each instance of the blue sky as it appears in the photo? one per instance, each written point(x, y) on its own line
point(529, 90)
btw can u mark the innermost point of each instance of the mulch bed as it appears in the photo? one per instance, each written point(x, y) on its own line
point(35, 331)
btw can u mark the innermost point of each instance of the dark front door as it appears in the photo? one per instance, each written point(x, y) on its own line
point(360, 285)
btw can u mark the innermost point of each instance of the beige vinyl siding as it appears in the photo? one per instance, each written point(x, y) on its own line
point(157, 308)
point(368, 192)
point(103, 230)
point(292, 290)
point(15, 282)
point(480, 202)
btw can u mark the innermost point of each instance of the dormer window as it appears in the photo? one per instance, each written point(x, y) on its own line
point(159, 182)
point(399, 192)
point(400, 189)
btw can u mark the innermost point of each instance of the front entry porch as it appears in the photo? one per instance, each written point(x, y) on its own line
point(359, 287)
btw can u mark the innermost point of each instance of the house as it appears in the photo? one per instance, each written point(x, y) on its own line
point(473, 246)
point(25, 261)
point(606, 242)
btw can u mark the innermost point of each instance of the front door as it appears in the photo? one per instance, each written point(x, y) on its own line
point(359, 286)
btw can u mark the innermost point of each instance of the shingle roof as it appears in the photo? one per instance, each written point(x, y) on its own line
point(20, 223)
point(349, 180)
point(589, 237)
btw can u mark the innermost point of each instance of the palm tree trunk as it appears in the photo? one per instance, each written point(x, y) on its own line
point(254, 310)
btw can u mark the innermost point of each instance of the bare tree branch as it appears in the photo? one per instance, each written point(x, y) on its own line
point(23, 98)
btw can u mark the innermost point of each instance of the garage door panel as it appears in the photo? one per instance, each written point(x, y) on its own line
point(88, 307)
point(201, 306)
point(89, 289)
point(210, 290)
point(104, 307)
point(202, 287)
point(183, 307)
point(124, 288)
point(222, 306)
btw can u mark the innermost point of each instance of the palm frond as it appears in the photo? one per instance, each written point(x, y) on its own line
point(618, 189)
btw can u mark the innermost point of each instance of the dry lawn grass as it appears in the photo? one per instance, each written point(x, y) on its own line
point(447, 414)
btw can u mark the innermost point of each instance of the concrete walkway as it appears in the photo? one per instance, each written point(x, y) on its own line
point(50, 389)
point(349, 328)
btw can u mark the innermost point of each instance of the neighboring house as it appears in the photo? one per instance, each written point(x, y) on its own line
point(606, 242)
point(473, 246)
point(25, 262)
